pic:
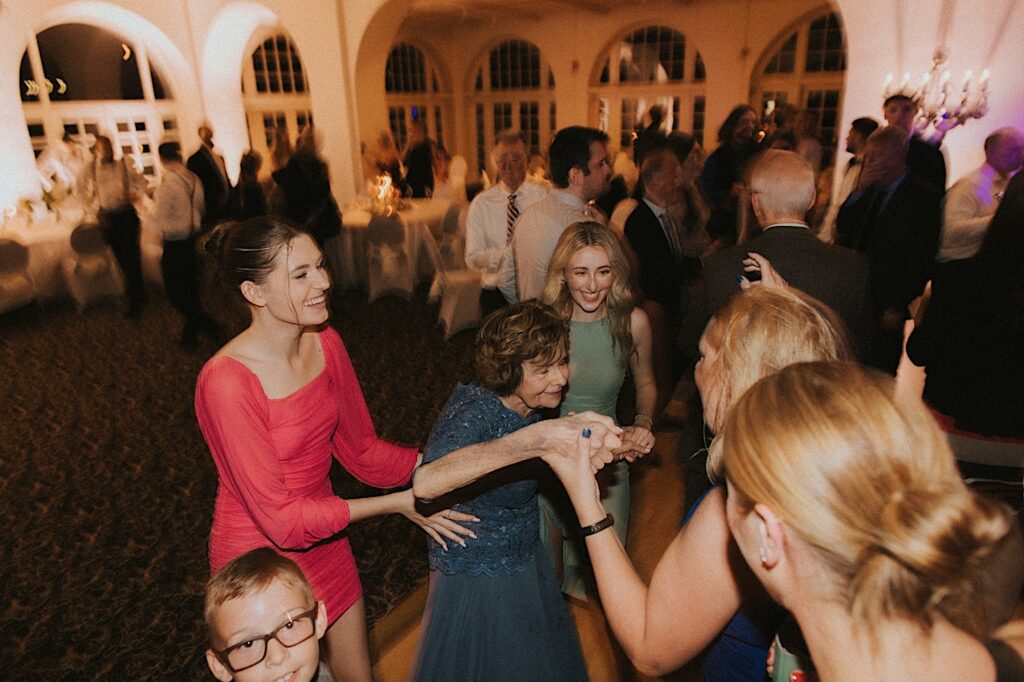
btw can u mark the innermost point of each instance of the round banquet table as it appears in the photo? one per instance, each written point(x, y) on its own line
point(420, 215)
point(49, 245)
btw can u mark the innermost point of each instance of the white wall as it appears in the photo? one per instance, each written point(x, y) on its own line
point(981, 34)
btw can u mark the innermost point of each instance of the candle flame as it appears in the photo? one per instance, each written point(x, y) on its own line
point(383, 187)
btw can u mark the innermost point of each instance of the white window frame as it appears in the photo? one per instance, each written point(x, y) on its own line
point(292, 106)
point(798, 84)
point(543, 97)
point(680, 96)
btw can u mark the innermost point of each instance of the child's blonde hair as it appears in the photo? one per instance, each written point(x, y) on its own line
point(251, 572)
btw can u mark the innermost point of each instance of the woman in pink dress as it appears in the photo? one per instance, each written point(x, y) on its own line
point(275, 405)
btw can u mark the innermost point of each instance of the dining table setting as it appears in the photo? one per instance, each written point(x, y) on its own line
point(45, 230)
point(415, 216)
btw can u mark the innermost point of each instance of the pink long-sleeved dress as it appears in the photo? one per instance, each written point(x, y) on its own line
point(273, 456)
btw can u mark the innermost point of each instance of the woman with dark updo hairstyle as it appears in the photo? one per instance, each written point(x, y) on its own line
point(275, 405)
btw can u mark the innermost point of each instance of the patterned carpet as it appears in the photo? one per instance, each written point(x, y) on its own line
point(106, 487)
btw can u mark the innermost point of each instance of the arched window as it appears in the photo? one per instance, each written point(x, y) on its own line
point(514, 88)
point(84, 80)
point(648, 66)
point(806, 67)
point(275, 93)
point(414, 93)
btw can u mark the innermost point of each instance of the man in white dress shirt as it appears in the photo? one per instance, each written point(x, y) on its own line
point(972, 201)
point(580, 172)
point(493, 214)
point(177, 215)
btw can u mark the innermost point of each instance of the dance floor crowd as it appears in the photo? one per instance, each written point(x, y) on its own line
point(829, 528)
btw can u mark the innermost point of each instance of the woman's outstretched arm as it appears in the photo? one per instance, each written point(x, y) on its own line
point(693, 593)
point(551, 440)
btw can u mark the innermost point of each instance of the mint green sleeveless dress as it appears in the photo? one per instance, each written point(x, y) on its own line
point(597, 369)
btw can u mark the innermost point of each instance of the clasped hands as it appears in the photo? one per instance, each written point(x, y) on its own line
point(580, 445)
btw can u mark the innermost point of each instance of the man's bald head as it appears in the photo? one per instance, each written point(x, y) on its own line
point(1004, 149)
point(782, 187)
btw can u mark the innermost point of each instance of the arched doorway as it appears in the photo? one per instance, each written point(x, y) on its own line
point(84, 80)
point(416, 91)
point(805, 66)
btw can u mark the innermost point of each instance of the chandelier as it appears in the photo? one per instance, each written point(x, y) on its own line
point(942, 104)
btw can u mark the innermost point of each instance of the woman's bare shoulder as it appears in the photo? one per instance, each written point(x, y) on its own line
point(639, 322)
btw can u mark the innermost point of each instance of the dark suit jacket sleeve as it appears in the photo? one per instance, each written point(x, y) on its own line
point(927, 162)
point(860, 318)
point(718, 283)
point(209, 175)
point(925, 219)
point(851, 218)
point(654, 259)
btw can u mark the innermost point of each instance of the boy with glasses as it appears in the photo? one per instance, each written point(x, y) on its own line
point(264, 624)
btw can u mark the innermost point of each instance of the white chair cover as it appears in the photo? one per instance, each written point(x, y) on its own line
point(16, 285)
point(458, 290)
point(457, 177)
point(390, 270)
point(90, 271)
point(453, 239)
point(621, 212)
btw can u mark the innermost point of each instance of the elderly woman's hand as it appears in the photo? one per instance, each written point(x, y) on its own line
point(443, 523)
point(561, 435)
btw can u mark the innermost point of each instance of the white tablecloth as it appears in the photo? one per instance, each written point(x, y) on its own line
point(422, 214)
point(49, 244)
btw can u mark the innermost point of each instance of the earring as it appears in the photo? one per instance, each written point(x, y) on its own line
point(762, 554)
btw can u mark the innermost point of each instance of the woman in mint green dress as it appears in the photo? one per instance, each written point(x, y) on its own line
point(588, 284)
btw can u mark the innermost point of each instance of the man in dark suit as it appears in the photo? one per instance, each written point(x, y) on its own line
point(894, 217)
point(782, 186)
point(782, 191)
point(651, 137)
point(208, 164)
point(924, 159)
point(656, 242)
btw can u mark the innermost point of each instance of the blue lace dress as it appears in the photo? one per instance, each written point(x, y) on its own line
point(494, 612)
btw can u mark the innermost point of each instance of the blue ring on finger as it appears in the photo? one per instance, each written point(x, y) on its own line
point(586, 432)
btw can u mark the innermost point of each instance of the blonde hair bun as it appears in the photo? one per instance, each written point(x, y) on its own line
point(869, 483)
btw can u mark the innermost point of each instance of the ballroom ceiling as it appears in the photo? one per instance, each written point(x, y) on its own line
point(440, 13)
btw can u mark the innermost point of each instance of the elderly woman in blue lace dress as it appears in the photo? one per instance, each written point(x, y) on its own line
point(494, 611)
